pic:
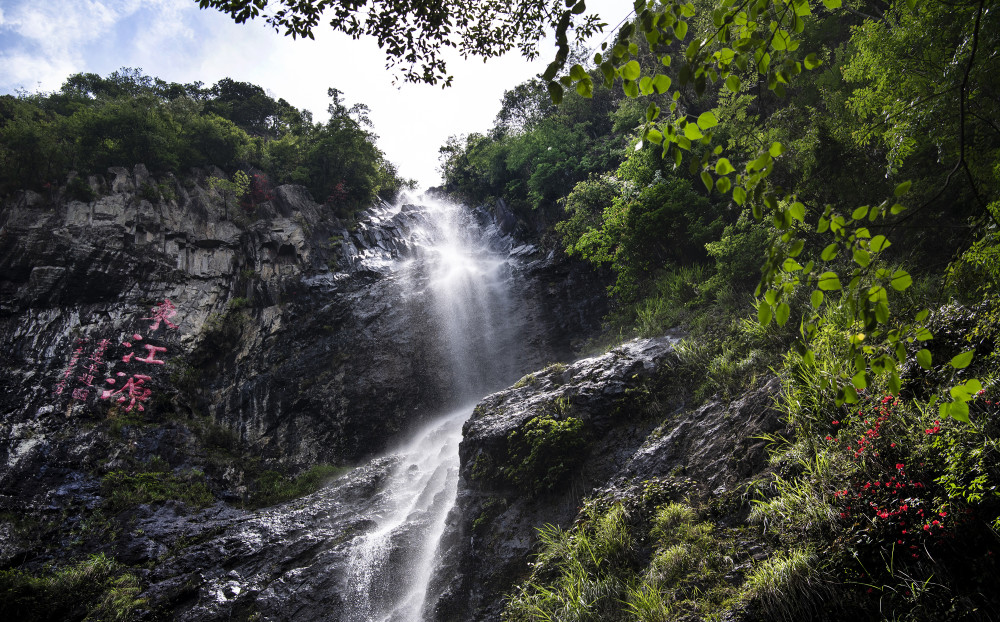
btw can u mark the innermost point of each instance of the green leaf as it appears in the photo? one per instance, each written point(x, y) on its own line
point(680, 30)
point(895, 384)
point(962, 360)
point(723, 167)
point(862, 257)
point(661, 83)
point(860, 380)
point(901, 280)
point(850, 395)
point(652, 112)
point(879, 243)
point(896, 209)
point(903, 188)
point(860, 212)
point(831, 4)
point(816, 299)
point(781, 40)
point(585, 88)
point(798, 211)
point(739, 195)
point(723, 184)
point(921, 316)
point(630, 88)
point(790, 265)
point(692, 132)
point(764, 313)
point(555, 92)
point(924, 358)
point(781, 313)
point(776, 149)
point(577, 73)
point(830, 252)
point(810, 61)
point(829, 281)
point(631, 70)
point(973, 386)
point(959, 411)
point(923, 334)
point(706, 178)
point(654, 136)
point(882, 313)
point(707, 120)
point(733, 83)
point(687, 10)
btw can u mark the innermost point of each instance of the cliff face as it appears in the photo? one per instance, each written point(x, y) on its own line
point(163, 322)
point(602, 426)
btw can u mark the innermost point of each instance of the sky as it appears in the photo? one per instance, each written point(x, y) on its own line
point(42, 42)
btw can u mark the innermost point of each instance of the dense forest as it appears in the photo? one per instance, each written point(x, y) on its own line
point(886, 493)
point(92, 123)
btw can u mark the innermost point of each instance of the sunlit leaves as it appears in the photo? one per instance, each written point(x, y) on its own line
point(901, 280)
point(829, 281)
point(707, 120)
point(631, 70)
point(962, 360)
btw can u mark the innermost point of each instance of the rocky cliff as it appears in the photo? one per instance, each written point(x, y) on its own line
point(604, 426)
point(162, 328)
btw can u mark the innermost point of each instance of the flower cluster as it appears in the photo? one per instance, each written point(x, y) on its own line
point(885, 501)
point(260, 190)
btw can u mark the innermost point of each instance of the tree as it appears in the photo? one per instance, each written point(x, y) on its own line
point(673, 49)
point(416, 33)
point(237, 187)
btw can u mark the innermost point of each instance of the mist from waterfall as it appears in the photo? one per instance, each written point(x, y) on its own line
point(463, 286)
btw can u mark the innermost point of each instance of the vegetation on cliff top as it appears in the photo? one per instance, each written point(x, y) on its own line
point(93, 123)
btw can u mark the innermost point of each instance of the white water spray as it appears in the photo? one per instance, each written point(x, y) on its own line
point(465, 286)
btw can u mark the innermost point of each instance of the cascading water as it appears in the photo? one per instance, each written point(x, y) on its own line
point(464, 285)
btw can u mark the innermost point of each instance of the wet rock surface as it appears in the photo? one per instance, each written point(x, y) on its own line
point(293, 338)
point(629, 438)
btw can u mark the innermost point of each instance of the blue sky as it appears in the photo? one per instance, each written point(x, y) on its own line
point(44, 41)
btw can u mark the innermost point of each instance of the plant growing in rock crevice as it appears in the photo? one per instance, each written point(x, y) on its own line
point(543, 452)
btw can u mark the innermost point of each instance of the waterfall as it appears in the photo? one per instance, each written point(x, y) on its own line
point(463, 285)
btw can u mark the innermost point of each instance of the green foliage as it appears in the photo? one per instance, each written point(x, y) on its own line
point(97, 588)
point(543, 452)
point(94, 123)
point(124, 490)
point(415, 33)
point(272, 487)
point(789, 586)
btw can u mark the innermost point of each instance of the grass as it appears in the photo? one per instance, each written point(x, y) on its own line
point(125, 490)
point(788, 586)
point(97, 588)
point(271, 487)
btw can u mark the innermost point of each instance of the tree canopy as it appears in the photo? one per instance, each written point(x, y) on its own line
point(415, 34)
point(95, 122)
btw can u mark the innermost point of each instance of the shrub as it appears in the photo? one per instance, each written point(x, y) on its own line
point(97, 588)
point(543, 452)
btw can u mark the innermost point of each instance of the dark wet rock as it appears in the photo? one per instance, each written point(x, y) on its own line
point(629, 438)
point(298, 340)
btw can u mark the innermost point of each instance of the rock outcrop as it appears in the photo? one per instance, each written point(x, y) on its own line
point(616, 419)
point(163, 320)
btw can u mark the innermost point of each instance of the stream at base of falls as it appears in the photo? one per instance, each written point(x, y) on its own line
point(392, 566)
point(465, 286)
